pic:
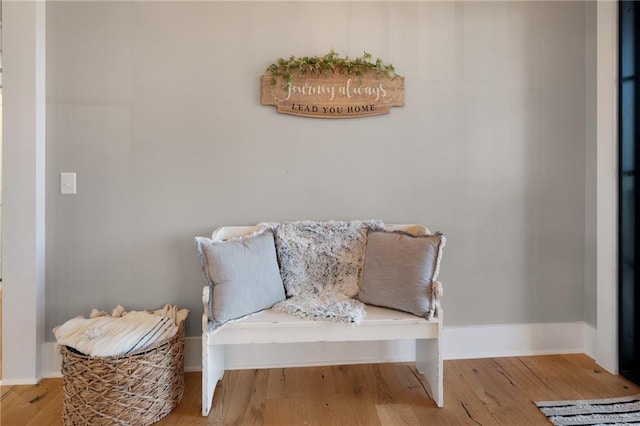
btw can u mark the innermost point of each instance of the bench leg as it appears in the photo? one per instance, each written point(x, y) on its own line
point(429, 364)
point(212, 371)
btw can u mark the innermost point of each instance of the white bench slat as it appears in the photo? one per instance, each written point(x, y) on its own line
point(375, 316)
point(273, 327)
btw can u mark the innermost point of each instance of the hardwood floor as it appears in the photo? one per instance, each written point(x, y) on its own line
point(492, 391)
point(0, 330)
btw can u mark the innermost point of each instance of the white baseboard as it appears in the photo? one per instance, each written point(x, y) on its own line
point(465, 342)
point(488, 341)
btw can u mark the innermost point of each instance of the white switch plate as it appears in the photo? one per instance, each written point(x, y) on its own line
point(67, 183)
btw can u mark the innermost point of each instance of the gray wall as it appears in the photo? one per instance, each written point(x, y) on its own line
point(156, 107)
point(590, 263)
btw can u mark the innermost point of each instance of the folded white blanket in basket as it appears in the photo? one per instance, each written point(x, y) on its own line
point(112, 336)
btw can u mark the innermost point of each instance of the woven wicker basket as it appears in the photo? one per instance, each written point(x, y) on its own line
point(135, 389)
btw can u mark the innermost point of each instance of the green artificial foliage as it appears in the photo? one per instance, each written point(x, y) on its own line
point(327, 64)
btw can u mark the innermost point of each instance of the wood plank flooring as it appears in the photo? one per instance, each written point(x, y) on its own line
point(492, 391)
point(0, 330)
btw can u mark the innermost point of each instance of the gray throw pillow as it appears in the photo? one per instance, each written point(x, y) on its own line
point(243, 274)
point(399, 269)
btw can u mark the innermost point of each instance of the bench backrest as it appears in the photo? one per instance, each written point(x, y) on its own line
point(227, 232)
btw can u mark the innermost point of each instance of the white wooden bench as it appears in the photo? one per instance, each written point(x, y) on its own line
point(266, 327)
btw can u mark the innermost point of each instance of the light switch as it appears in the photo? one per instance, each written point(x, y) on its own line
point(67, 183)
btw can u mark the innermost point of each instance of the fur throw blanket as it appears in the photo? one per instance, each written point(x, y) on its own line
point(321, 267)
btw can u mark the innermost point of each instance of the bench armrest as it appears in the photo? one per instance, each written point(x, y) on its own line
point(205, 302)
point(436, 297)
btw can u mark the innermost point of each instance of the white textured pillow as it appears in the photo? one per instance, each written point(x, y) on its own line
point(243, 274)
point(400, 269)
point(322, 256)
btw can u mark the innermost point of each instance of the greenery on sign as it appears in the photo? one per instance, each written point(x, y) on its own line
point(327, 64)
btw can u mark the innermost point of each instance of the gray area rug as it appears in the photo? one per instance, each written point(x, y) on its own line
point(611, 411)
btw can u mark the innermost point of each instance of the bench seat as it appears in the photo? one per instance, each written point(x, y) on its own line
point(273, 327)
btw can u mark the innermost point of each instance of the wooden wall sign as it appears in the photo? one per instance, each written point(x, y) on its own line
point(331, 87)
